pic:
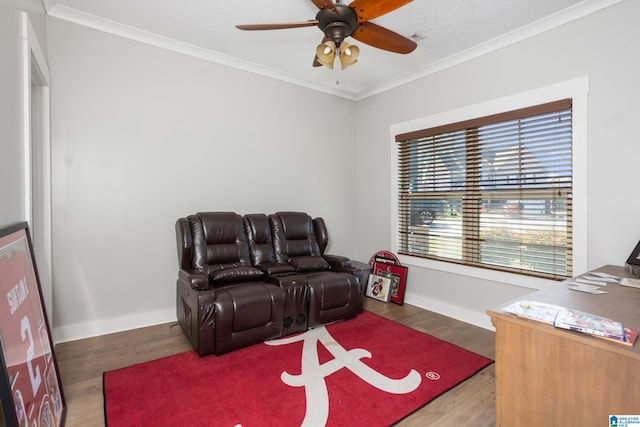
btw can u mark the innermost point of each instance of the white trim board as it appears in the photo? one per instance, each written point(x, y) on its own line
point(473, 317)
point(578, 90)
point(108, 326)
point(581, 10)
point(111, 27)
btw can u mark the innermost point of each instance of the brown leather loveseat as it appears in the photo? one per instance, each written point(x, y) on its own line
point(244, 280)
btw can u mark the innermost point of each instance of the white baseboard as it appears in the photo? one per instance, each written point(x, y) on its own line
point(477, 318)
point(141, 320)
point(108, 326)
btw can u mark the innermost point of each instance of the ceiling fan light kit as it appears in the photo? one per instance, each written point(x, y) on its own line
point(338, 21)
point(348, 55)
point(326, 54)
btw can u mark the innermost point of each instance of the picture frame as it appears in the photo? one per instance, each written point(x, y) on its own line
point(378, 287)
point(634, 258)
point(30, 386)
point(384, 256)
point(398, 276)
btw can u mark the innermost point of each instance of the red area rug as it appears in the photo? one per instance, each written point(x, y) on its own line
point(367, 371)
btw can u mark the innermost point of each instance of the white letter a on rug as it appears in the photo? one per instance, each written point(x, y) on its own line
point(313, 373)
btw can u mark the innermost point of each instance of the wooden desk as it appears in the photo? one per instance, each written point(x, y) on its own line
point(547, 376)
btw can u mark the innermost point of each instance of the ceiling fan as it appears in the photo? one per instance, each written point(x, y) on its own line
point(338, 21)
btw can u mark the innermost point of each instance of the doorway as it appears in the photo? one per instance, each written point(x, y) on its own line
point(37, 158)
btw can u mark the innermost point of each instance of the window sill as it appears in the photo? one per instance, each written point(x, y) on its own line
point(479, 273)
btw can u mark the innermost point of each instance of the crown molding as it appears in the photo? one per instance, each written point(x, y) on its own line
point(585, 8)
point(48, 4)
point(75, 16)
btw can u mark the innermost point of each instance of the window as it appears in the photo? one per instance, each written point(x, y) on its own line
point(492, 192)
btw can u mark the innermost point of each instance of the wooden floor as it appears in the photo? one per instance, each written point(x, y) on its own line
point(82, 363)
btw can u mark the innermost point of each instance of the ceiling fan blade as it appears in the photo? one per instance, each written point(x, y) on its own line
point(324, 4)
point(382, 38)
point(277, 26)
point(371, 9)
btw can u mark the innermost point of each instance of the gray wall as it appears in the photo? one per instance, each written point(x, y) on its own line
point(604, 47)
point(142, 136)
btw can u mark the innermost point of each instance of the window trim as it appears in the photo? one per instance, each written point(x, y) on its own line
point(578, 90)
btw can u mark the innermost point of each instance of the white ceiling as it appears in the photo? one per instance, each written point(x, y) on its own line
point(449, 31)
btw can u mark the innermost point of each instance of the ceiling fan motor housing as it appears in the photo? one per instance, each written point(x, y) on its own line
point(337, 24)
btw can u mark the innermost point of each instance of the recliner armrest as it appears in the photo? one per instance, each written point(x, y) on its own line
point(309, 263)
point(337, 261)
point(194, 278)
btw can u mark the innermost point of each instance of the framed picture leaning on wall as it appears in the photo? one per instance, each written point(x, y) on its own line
point(378, 287)
point(397, 274)
point(30, 387)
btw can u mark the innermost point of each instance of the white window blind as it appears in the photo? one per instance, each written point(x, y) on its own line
point(491, 192)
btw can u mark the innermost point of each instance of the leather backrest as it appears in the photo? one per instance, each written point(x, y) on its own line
point(293, 235)
point(220, 246)
point(258, 232)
